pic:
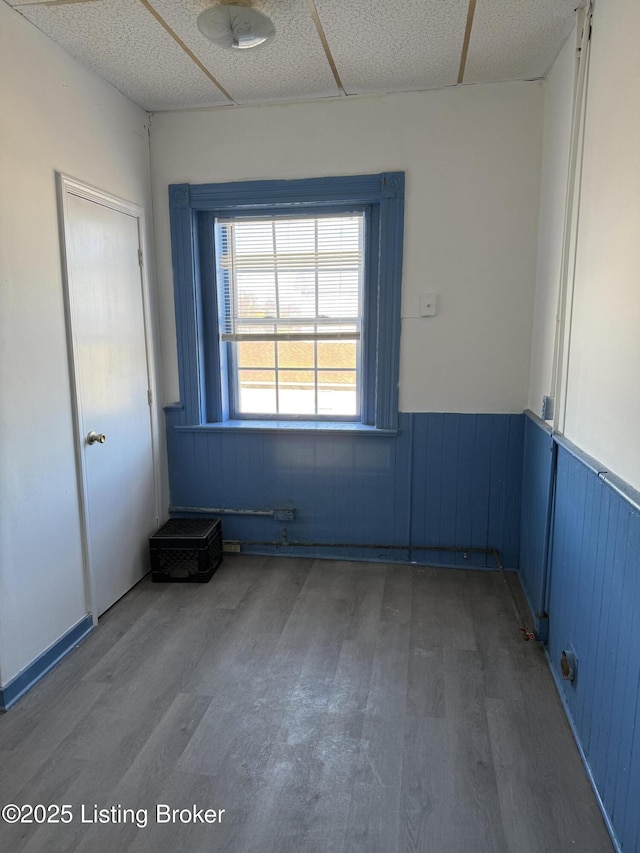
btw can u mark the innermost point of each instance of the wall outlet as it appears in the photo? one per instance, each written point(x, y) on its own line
point(547, 409)
point(283, 514)
point(230, 546)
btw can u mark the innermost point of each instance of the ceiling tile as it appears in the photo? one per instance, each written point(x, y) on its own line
point(517, 39)
point(292, 66)
point(395, 45)
point(122, 42)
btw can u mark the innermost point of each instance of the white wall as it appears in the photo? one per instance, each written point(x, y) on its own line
point(472, 158)
point(603, 392)
point(603, 399)
point(54, 116)
point(558, 99)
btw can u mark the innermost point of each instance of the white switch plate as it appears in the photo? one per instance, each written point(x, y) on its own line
point(428, 304)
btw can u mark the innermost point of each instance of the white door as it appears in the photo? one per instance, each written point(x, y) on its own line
point(106, 322)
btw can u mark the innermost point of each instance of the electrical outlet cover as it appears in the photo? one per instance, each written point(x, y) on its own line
point(428, 304)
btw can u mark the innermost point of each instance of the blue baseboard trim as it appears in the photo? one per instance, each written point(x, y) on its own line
point(25, 680)
point(576, 737)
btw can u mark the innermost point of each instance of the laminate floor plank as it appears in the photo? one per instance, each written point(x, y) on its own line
point(396, 601)
point(522, 798)
point(368, 581)
point(428, 819)
point(555, 761)
point(325, 706)
point(454, 604)
point(25, 758)
point(427, 593)
point(474, 790)
point(505, 655)
point(374, 811)
point(425, 687)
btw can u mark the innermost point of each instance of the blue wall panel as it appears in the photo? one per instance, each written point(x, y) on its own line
point(505, 483)
point(594, 607)
point(444, 480)
point(466, 484)
point(537, 483)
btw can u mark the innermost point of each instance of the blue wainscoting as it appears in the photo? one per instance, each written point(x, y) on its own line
point(466, 485)
point(450, 480)
point(537, 495)
point(594, 607)
point(594, 610)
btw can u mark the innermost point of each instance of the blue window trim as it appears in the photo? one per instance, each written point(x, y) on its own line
point(192, 208)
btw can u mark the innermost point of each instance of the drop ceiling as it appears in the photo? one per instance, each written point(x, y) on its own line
point(152, 51)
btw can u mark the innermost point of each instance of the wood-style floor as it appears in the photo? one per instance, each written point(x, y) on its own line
point(326, 706)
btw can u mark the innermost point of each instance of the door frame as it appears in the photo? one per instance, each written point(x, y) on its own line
point(67, 186)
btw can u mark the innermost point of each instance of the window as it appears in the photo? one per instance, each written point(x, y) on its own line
point(291, 292)
point(288, 300)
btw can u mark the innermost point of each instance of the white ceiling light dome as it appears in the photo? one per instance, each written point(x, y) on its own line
point(234, 24)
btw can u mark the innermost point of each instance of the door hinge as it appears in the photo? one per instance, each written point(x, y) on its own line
point(149, 396)
point(139, 257)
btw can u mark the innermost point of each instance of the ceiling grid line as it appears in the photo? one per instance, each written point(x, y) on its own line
point(325, 44)
point(56, 3)
point(467, 38)
point(147, 5)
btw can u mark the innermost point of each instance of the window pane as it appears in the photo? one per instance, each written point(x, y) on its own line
point(336, 379)
point(338, 354)
point(296, 293)
point(252, 239)
point(255, 293)
point(339, 231)
point(256, 354)
point(339, 292)
point(296, 354)
point(337, 392)
point(257, 392)
point(295, 236)
point(296, 392)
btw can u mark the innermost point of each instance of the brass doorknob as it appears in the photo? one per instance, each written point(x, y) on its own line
point(96, 438)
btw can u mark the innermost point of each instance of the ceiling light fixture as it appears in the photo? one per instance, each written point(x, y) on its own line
point(234, 24)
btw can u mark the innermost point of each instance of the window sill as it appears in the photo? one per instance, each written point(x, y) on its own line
point(306, 427)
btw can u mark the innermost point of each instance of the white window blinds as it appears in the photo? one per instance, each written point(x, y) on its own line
point(295, 278)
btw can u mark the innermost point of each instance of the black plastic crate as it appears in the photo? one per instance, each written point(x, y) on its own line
point(186, 550)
